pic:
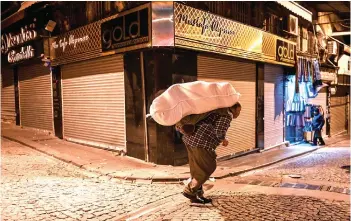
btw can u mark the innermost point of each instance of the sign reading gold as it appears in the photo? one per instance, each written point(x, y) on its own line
point(285, 52)
point(126, 30)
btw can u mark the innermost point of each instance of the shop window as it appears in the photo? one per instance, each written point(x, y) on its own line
point(273, 24)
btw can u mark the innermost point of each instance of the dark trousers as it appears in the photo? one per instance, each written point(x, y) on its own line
point(318, 136)
point(202, 164)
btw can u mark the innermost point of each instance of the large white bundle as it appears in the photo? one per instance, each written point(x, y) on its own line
point(181, 100)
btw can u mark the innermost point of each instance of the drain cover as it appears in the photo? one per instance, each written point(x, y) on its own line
point(296, 176)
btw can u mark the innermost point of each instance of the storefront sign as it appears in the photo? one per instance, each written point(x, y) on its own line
point(205, 24)
point(12, 40)
point(197, 29)
point(285, 51)
point(25, 53)
point(79, 44)
point(200, 30)
point(126, 30)
point(70, 41)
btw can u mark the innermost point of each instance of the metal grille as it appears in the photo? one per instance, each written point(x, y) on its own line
point(269, 45)
point(83, 50)
point(35, 95)
point(7, 95)
point(245, 42)
point(93, 102)
point(242, 75)
point(273, 105)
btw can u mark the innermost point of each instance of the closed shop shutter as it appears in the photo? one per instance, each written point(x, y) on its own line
point(242, 75)
point(321, 100)
point(35, 95)
point(93, 102)
point(338, 107)
point(273, 105)
point(8, 112)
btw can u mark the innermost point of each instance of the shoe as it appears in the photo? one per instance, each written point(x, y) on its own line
point(190, 197)
point(197, 198)
point(203, 200)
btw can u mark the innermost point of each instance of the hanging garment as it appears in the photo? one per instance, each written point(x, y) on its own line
point(309, 71)
point(305, 70)
point(312, 73)
point(299, 70)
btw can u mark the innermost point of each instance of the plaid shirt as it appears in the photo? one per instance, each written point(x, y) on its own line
point(209, 133)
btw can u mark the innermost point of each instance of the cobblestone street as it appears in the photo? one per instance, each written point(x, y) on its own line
point(35, 186)
point(255, 206)
point(331, 164)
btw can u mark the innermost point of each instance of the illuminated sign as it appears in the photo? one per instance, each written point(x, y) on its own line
point(285, 52)
point(11, 40)
point(70, 41)
point(26, 52)
point(206, 24)
point(201, 30)
point(126, 30)
point(196, 29)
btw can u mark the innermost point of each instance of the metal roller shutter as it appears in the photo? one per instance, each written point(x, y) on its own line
point(321, 99)
point(8, 111)
point(242, 75)
point(35, 95)
point(93, 102)
point(338, 115)
point(273, 105)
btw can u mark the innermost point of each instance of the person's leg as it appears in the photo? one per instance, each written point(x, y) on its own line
point(204, 165)
point(315, 138)
point(191, 161)
point(321, 141)
point(187, 188)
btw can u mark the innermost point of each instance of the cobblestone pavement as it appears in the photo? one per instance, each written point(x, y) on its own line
point(255, 206)
point(35, 186)
point(326, 164)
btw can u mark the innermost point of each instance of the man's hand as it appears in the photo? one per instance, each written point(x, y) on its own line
point(225, 142)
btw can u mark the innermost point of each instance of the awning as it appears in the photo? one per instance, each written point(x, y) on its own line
point(297, 9)
point(15, 17)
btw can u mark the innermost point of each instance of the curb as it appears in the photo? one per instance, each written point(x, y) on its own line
point(150, 180)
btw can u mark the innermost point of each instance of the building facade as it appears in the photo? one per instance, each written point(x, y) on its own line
point(102, 74)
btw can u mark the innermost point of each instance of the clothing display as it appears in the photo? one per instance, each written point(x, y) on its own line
point(295, 120)
point(308, 71)
point(296, 106)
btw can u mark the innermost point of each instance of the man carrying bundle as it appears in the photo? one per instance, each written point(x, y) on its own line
point(203, 133)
